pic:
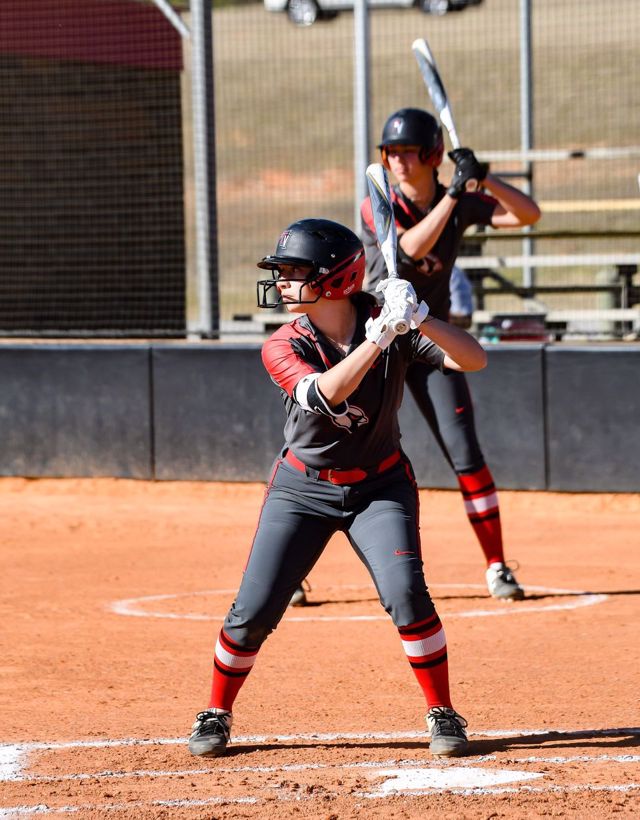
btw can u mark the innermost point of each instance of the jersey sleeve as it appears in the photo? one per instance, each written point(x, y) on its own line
point(477, 209)
point(285, 366)
point(292, 360)
point(424, 350)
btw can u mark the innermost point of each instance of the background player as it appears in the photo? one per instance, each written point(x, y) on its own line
point(340, 369)
point(431, 220)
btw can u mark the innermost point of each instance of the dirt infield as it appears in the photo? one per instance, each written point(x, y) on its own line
point(113, 593)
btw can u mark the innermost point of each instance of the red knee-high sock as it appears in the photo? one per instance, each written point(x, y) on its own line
point(231, 667)
point(481, 505)
point(426, 647)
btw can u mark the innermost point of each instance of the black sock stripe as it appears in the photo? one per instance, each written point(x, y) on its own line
point(231, 646)
point(423, 627)
point(230, 674)
point(469, 494)
point(429, 664)
point(479, 518)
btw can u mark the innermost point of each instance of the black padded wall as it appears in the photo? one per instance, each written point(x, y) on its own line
point(558, 418)
point(593, 412)
point(75, 410)
point(217, 414)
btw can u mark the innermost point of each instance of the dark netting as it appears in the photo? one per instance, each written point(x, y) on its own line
point(91, 182)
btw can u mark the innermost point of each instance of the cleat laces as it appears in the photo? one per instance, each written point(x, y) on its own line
point(209, 723)
point(447, 722)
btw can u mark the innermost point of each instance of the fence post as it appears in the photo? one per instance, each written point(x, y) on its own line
point(204, 164)
point(526, 124)
point(361, 104)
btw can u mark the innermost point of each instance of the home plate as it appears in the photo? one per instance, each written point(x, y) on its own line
point(467, 777)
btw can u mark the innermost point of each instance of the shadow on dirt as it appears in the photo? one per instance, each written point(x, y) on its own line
point(605, 740)
point(476, 596)
point(541, 596)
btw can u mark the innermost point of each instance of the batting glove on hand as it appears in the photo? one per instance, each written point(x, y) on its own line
point(398, 294)
point(382, 331)
point(400, 301)
point(467, 168)
point(419, 315)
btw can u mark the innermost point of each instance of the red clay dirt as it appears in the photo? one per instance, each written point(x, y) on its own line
point(113, 594)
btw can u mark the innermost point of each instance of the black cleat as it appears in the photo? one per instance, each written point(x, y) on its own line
point(447, 728)
point(299, 597)
point(502, 584)
point(211, 733)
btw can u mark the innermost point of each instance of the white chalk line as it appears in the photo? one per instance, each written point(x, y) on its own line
point(134, 607)
point(482, 790)
point(29, 746)
point(558, 760)
point(427, 774)
point(43, 808)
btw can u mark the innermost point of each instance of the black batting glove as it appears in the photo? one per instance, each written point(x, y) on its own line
point(467, 168)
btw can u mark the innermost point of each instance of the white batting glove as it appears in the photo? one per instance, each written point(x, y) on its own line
point(398, 294)
point(419, 315)
point(381, 331)
point(400, 300)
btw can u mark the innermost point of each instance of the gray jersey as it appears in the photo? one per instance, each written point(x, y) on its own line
point(365, 430)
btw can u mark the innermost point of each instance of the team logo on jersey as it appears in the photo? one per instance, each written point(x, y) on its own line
point(353, 418)
point(430, 264)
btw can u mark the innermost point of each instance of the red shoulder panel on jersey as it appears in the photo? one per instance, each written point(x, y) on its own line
point(282, 362)
point(404, 217)
point(366, 212)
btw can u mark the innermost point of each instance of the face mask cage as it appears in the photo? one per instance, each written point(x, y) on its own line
point(269, 296)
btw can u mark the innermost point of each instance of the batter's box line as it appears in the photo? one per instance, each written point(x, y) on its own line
point(12, 754)
point(463, 791)
point(390, 791)
point(470, 762)
point(134, 607)
point(25, 811)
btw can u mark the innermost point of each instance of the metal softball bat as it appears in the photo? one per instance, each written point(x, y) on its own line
point(385, 224)
point(435, 87)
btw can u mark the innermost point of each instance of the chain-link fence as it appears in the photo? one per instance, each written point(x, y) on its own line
point(97, 205)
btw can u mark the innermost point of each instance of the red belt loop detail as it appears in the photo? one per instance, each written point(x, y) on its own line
point(345, 476)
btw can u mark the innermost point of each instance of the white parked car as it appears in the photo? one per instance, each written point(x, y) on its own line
point(306, 12)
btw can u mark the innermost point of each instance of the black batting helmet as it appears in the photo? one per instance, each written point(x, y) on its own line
point(331, 256)
point(413, 126)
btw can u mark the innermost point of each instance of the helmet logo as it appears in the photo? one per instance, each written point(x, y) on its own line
point(396, 125)
point(284, 238)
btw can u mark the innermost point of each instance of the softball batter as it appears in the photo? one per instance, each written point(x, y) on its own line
point(340, 368)
point(431, 220)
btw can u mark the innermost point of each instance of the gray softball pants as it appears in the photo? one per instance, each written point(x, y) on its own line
point(379, 516)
